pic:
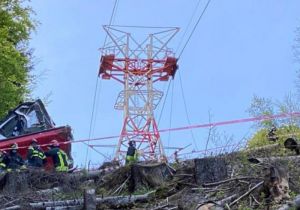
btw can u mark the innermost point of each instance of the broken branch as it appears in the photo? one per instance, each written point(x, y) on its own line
point(247, 193)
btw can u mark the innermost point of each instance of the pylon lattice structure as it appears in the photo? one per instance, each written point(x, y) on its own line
point(138, 66)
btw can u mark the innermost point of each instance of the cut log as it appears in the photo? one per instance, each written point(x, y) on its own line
point(89, 199)
point(74, 202)
point(210, 170)
point(124, 200)
point(64, 208)
point(149, 175)
point(112, 201)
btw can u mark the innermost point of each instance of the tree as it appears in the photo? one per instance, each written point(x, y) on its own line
point(16, 25)
point(261, 106)
point(289, 127)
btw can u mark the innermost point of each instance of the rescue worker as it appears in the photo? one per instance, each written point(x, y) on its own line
point(3, 161)
point(15, 161)
point(35, 155)
point(59, 157)
point(272, 134)
point(176, 156)
point(131, 156)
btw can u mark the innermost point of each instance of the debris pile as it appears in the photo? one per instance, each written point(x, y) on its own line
point(247, 179)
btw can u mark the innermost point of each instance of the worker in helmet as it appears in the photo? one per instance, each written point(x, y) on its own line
point(3, 161)
point(59, 157)
point(272, 134)
point(35, 155)
point(131, 156)
point(15, 162)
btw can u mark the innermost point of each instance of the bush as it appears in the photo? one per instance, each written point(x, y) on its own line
point(260, 138)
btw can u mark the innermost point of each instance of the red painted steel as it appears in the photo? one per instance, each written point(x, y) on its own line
point(138, 65)
point(62, 134)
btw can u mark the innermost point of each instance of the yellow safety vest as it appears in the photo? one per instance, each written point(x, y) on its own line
point(2, 165)
point(37, 153)
point(63, 161)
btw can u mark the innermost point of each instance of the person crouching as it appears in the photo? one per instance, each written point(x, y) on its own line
point(59, 157)
point(35, 155)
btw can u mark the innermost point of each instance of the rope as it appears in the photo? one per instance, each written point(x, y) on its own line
point(96, 88)
point(92, 119)
point(139, 26)
point(165, 99)
point(222, 123)
point(186, 111)
point(236, 146)
point(186, 29)
point(98, 97)
point(200, 17)
point(171, 114)
point(181, 52)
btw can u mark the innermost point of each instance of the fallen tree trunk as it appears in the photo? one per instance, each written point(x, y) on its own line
point(12, 207)
point(227, 180)
point(124, 200)
point(110, 201)
point(217, 205)
point(49, 191)
point(65, 208)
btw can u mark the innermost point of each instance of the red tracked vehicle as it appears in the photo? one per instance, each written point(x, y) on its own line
point(28, 121)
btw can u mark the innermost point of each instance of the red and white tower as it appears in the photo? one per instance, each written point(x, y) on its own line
point(138, 65)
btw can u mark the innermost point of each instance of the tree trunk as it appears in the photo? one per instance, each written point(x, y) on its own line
point(112, 202)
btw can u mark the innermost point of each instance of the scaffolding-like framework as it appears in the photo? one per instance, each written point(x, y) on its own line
point(138, 66)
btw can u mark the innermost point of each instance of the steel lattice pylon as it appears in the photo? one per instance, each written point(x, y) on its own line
point(138, 65)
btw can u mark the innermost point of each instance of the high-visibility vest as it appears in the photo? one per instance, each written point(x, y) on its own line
point(63, 161)
point(2, 165)
point(132, 158)
point(37, 153)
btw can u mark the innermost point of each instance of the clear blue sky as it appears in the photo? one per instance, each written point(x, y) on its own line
point(239, 49)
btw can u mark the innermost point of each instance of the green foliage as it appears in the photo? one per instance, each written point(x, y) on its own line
point(288, 127)
point(260, 137)
point(262, 106)
point(16, 25)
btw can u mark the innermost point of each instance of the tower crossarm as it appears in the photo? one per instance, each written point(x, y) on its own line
point(158, 69)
